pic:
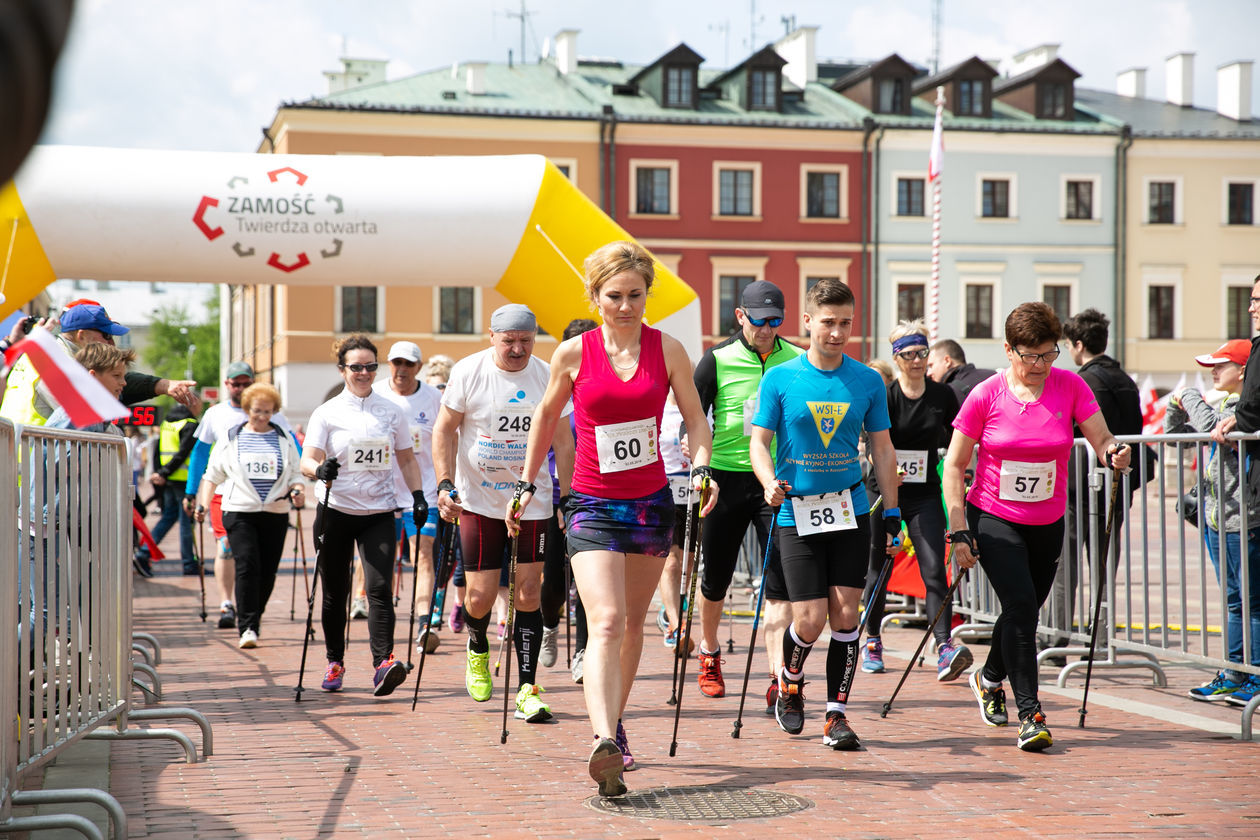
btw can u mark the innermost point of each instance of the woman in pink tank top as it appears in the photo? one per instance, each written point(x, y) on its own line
point(620, 515)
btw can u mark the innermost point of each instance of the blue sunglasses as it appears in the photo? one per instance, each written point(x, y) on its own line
point(761, 322)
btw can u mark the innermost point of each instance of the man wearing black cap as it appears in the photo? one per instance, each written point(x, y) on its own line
point(728, 377)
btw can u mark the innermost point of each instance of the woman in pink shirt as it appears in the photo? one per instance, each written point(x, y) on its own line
point(620, 516)
point(1012, 521)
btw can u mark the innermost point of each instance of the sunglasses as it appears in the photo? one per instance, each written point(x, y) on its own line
point(370, 368)
point(761, 322)
point(911, 355)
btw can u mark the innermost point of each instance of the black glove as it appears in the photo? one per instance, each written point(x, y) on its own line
point(419, 508)
point(892, 525)
point(964, 536)
point(327, 471)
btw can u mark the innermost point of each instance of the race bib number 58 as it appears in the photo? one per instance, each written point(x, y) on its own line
point(820, 514)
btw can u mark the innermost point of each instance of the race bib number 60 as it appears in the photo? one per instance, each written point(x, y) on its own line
point(624, 446)
point(1024, 481)
point(820, 514)
point(369, 455)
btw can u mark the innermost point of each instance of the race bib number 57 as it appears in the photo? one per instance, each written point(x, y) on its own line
point(1024, 481)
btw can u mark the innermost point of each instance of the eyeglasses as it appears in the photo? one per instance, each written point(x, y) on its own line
point(1255, 300)
point(370, 368)
point(911, 355)
point(233, 384)
point(1033, 358)
point(761, 322)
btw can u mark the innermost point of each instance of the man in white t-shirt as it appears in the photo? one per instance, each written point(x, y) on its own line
point(215, 424)
point(480, 440)
point(420, 402)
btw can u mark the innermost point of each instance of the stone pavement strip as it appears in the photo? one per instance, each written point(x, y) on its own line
point(351, 765)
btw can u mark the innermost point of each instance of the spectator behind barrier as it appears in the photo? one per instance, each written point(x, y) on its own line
point(108, 365)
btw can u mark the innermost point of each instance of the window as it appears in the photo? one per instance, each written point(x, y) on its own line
point(763, 90)
point(1238, 319)
point(735, 192)
point(910, 301)
point(358, 309)
point(1059, 298)
point(1160, 305)
point(680, 87)
point(104, 286)
point(80, 285)
point(822, 195)
point(970, 98)
point(157, 289)
point(979, 298)
point(564, 169)
point(1080, 200)
point(651, 190)
point(457, 310)
point(910, 196)
point(1163, 196)
point(892, 96)
point(995, 199)
point(1242, 204)
point(730, 288)
point(1053, 100)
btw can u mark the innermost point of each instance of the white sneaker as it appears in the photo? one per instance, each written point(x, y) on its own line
point(249, 640)
point(428, 640)
point(550, 647)
point(359, 608)
point(577, 665)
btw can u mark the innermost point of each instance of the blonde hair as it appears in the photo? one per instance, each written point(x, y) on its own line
point(100, 357)
point(613, 259)
point(438, 366)
point(883, 369)
point(260, 390)
point(905, 328)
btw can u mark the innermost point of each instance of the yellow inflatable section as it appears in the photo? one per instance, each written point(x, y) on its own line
point(26, 269)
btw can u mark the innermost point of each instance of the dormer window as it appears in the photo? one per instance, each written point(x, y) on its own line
point(892, 96)
point(763, 90)
point(970, 98)
point(1052, 100)
point(1046, 92)
point(670, 80)
point(680, 86)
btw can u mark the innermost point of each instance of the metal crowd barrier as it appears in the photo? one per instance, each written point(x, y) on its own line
point(1161, 597)
point(65, 616)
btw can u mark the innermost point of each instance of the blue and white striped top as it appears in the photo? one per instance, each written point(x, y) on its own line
point(261, 458)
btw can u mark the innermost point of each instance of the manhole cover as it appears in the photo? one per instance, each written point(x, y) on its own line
point(701, 803)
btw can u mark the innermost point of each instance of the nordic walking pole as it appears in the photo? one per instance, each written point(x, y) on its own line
point(1100, 586)
point(445, 566)
point(310, 599)
point(752, 642)
point(689, 557)
point(568, 616)
point(306, 584)
point(201, 562)
point(415, 583)
point(293, 586)
point(949, 597)
point(685, 642)
point(511, 615)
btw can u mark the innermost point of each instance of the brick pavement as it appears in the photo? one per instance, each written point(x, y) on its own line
point(350, 765)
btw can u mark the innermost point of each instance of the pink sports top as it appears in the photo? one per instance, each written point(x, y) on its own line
point(619, 423)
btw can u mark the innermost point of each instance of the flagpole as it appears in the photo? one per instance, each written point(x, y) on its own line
point(934, 287)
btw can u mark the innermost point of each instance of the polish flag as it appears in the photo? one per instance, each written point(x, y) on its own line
point(1147, 399)
point(77, 391)
point(936, 157)
point(1153, 422)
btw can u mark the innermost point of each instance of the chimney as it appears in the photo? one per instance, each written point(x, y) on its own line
point(566, 50)
point(475, 77)
point(1132, 82)
point(1233, 90)
point(1022, 62)
point(797, 48)
point(355, 72)
point(1179, 79)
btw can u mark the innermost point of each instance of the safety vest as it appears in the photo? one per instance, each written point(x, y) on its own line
point(19, 395)
point(168, 446)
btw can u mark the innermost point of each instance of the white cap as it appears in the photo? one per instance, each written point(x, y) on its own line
point(408, 350)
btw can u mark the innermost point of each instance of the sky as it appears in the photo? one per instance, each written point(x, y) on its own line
point(179, 74)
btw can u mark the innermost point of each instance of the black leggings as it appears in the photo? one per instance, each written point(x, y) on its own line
point(257, 541)
point(374, 534)
point(1020, 562)
point(925, 520)
point(554, 579)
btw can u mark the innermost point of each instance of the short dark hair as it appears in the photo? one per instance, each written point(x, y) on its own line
point(952, 349)
point(1032, 324)
point(829, 291)
point(357, 341)
point(578, 326)
point(1089, 328)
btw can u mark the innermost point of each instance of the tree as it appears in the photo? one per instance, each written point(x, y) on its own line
point(170, 334)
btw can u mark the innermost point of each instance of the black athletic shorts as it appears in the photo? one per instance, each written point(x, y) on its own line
point(814, 564)
point(484, 542)
point(680, 524)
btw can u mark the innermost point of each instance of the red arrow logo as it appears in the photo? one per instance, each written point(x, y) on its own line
point(199, 218)
point(301, 261)
point(275, 174)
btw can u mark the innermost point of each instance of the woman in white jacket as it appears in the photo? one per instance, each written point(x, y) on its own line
point(257, 469)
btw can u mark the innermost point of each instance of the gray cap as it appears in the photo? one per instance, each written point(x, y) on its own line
point(513, 316)
point(762, 300)
point(239, 369)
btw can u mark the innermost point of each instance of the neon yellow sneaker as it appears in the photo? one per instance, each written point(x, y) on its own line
point(477, 676)
point(529, 706)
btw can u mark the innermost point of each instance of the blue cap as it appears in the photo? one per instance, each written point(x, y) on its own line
point(90, 316)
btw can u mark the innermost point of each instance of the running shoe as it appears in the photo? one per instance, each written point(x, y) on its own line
point(477, 676)
point(359, 608)
point(671, 638)
point(1218, 689)
point(1243, 695)
point(952, 661)
point(389, 675)
point(333, 677)
point(873, 656)
point(662, 619)
point(605, 766)
point(623, 744)
point(576, 670)
point(992, 701)
point(837, 733)
point(141, 564)
point(457, 619)
point(227, 616)
point(249, 640)
point(428, 640)
point(789, 706)
point(1034, 735)
point(710, 677)
point(529, 706)
point(772, 695)
point(550, 646)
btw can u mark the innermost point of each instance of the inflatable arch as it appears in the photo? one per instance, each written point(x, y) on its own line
point(512, 223)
